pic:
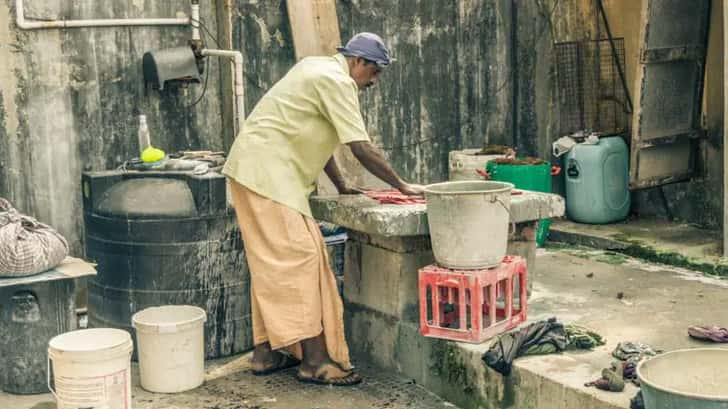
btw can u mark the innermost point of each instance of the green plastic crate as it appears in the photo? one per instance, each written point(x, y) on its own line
point(526, 177)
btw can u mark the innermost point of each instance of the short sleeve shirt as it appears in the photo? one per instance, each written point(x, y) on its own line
point(294, 130)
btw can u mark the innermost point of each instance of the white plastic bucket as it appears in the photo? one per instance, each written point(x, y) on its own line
point(465, 164)
point(91, 369)
point(171, 347)
point(469, 223)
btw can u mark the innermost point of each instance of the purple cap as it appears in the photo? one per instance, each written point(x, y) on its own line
point(368, 46)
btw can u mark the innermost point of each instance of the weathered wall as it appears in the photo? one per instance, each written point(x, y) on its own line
point(701, 199)
point(542, 23)
point(69, 101)
point(412, 114)
point(457, 77)
point(69, 98)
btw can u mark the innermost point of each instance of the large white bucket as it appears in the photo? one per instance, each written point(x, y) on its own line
point(91, 369)
point(465, 164)
point(171, 347)
point(469, 223)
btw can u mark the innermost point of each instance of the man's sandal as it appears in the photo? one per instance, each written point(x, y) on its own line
point(284, 362)
point(320, 377)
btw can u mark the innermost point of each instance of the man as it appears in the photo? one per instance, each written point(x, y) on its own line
point(273, 166)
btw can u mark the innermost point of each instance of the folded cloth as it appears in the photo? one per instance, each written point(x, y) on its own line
point(394, 197)
point(713, 334)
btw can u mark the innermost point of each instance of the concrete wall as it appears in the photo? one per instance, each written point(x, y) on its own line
point(69, 101)
point(458, 82)
point(700, 200)
point(69, 98)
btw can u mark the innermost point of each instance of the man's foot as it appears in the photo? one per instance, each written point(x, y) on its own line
point(266, 361)
point(328, 374)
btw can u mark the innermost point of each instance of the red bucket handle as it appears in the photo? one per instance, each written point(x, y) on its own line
point(483, 173)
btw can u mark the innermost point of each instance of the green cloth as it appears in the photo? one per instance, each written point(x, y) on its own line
point(582, 338)
point(577, 337)
point(541, 349)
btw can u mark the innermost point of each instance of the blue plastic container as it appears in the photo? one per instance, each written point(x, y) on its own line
point(597, 182)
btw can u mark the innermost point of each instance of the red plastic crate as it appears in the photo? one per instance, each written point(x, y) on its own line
point(448, 299)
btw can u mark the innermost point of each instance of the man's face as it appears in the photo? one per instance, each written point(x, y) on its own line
point(364, 73)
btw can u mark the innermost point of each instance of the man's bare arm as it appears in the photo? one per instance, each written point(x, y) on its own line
point(333, 172)
point(374, 162)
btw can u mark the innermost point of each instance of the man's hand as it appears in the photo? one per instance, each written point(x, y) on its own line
point(412, 189)
point(348, 190)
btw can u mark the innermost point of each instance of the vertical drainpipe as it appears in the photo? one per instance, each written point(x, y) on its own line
point(514, 74)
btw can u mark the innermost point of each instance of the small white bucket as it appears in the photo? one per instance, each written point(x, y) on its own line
point(171, 347)
point(91, 369)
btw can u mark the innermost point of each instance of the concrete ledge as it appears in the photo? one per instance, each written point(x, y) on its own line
point(455, 371)
point(674, 244)
point(613, 297)
point(365, 215)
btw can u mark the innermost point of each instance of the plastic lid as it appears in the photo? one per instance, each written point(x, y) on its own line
point(168, 318)
point(90, 340)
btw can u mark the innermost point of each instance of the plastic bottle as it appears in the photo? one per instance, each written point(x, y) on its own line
point(147, 152)
point(143, 134)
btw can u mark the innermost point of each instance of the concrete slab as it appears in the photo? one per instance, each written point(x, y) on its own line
point(657, 305)
point(660, 241)
point(230, 385)
point(366, 215)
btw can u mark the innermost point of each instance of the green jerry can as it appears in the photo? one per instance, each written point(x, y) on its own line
point(597, 182)
point(526, 176)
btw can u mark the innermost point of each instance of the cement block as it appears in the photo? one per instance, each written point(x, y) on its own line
point(372, 338)
point(362, 214)
point(411, 351)
point(383, 280)
point(401, 244)
point(456, 372)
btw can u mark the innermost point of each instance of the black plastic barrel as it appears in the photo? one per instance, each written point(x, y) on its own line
point(32, 311)
point(166, 238)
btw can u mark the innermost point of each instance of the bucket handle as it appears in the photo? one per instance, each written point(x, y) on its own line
point(510, 216)
point(48, 378)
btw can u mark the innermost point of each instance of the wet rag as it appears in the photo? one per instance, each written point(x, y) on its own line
point(394, 197)
point(540, 338)
point(610, 381)
point(628, 370)
point(634, 351)
point(712, 334)
point(582, 337)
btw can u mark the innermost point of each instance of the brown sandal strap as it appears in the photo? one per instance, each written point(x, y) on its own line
point(320, 377)
point(284, 362)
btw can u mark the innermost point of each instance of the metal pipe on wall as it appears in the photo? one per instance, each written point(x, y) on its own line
point(194, 21)
point(33, 25)
point(237, 59)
